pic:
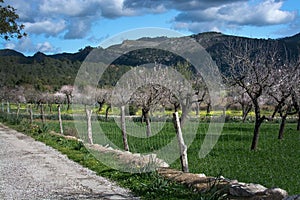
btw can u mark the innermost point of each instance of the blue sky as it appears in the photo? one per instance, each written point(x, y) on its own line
point(56, 26)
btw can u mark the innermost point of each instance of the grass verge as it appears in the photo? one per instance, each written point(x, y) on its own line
point(145, 185)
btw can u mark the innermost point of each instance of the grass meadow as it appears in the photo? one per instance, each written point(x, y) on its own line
point(275, 163)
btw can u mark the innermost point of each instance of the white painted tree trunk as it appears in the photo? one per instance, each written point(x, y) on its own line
point(59, 119)
point(182, 146)
point(89, 124)
point(123, 127)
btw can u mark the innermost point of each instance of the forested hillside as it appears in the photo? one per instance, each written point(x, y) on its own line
point(50, 72)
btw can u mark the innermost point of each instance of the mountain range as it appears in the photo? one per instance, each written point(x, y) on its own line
point(50, 72)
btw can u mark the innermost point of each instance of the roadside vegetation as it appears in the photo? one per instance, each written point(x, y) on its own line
point(273, 164)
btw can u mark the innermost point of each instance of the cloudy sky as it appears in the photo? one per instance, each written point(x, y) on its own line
point(55, 26)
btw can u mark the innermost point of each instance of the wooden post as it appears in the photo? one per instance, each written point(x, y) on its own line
point(7, 107)
point(18, 110)
point(30, 113)
point(123, 126)
point(59, 119)
point(89, 124)
point(182, 146)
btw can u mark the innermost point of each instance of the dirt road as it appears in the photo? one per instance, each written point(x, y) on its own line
point(32, 170)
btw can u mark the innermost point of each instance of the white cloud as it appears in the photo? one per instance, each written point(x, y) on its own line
point(65, 7)
point(78, 28)
point(268, 12)
point(26, 46)
point(44, 47)
point(47, 27)
point(10, 46)
point(73, 19)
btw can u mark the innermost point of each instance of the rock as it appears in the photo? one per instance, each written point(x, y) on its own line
point(234, 181)
point(294, 197)
point(201, 175)
point(246, 190)
point(276, 194)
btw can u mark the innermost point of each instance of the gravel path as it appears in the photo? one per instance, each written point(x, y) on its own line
point(32, 170)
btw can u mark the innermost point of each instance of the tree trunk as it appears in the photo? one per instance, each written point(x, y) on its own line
point(146, 117)
point(101, 103)
point(106, 112)
point(42, 113)
point(59, 120)
point(282, 125)
point(208, 108)
point(148, 125)
point(246, 109)
point(258, 122)
point(68, 102)
point(298, 125)
point(89, 124)
point(2, 106)
point(182, 146)
point(184, 115)
point(123, 127)
point(255, 135)
point(197, 109)
point(50, 108)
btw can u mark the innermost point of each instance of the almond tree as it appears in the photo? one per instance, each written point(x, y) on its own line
point(238, 95)
point(102, 98)
point(250, 68)
point(186, 96)
point(18, 98)
point(184, 91)
point(68, 91)
point(42, 100)
point(148, 98)
point(281, 92)
point(86, 96)
point(296, 93)
point(31, 96)
point(120, 98)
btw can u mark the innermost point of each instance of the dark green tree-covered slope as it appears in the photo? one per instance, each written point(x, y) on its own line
point(50, 72)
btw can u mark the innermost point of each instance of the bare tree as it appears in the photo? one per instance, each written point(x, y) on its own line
point(283, 94)
point(19, 98)
point(31, 96)
point(42, 101)
point(250, 68)
point(87, 97)
point(68, 91)
point(121, 98)
point(296, 94)
point(242, 98)
point(184, 92)
point(148, 98)
point(103, 96)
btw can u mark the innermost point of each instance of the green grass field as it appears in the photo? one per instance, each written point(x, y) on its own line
point(274, 164)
